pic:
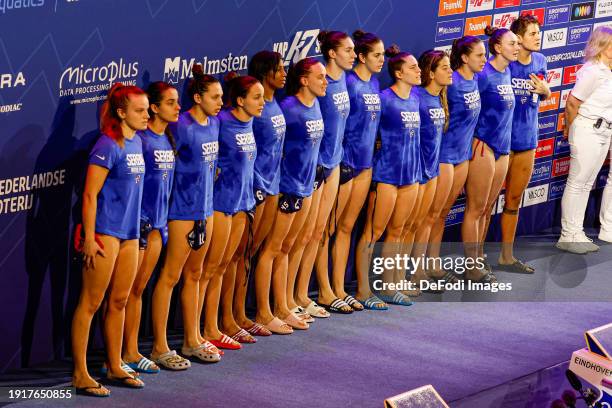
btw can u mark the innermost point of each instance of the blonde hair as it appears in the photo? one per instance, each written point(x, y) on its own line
point(598, 42)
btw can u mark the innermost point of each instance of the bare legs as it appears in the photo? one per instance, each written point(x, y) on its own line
point(262, 225)
point(116, 273)
point(222, 250)
point(354, 193)
point(298, 246)
point(316, 251)
point(455, 177)
point(133, 311)
point(520, 168)
point(180, 260)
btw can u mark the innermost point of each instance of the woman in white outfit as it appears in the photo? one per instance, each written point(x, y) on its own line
point(589, 120)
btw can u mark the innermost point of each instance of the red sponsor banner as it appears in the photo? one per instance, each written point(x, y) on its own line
point(538, 12)
point(569, 74)
point(449, 7)
point(504, 20)
point(476, 25)
point(553, 77)
point(545, 147)
point(551, 103)
point(507, 3)
point(561, 166)
point(561, 122)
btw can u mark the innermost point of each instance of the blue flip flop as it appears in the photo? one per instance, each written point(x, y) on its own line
point(125, 366)
point(374, 303)
point(397, 299)
point(143, 366)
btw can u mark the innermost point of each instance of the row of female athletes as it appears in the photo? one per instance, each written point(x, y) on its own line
point(281, 178)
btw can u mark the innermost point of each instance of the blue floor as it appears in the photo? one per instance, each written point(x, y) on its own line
point(463, 348)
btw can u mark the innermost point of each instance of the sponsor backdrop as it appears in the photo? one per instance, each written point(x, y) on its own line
point(54, 76)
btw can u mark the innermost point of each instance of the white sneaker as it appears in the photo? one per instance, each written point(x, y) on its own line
point(577, 244)
point(573, 247)
point(587, 242)
point(605, 236)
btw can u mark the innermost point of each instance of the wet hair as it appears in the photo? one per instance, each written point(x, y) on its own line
point(118, 98)
point(263, 63)
point(330, 40)
point(521, 24)
point(495, 35)
point(364, 42)
point(462, 46)
point(237, 87)
point(296, 72)
point(200, 82)
point(429, 62)
point(155, 93)
point(396, 59)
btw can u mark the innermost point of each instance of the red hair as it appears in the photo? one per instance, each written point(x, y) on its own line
point(118, 98)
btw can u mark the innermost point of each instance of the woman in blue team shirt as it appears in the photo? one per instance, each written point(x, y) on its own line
point(396, 171)
point(234, 203)
point(491, 145)
point(305, 82)
point(158, 147)
point(269, 130)
point(468, 58)
point(436, 75)
point(111, 213)
point(189, 222)
point(530, 87)
point(339, 53)
point(358, 145)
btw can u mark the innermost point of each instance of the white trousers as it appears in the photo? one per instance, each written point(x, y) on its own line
point(588, 150)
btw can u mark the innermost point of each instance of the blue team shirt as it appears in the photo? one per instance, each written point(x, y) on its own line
point(432, 126)
point(302, 141)
point(495, 120)
point(159, 164)
point(464, 108)
point(237, 153)
point(269, 131)
point(362, 123)
point(196, 164)
point(335, 107)
point(525, 118)
point(398, 160)
point(118, 205)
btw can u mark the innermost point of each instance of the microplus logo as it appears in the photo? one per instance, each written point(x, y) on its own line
point(111, 72)
point(80, 79)
point(300, 47)
point(12, 80)
point(177, 68)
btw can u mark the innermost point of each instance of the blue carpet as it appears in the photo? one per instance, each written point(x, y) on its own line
point(463, 349)
point(358, 360)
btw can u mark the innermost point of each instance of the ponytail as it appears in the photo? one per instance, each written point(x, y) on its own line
point(155, 92)
point(117, 98)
